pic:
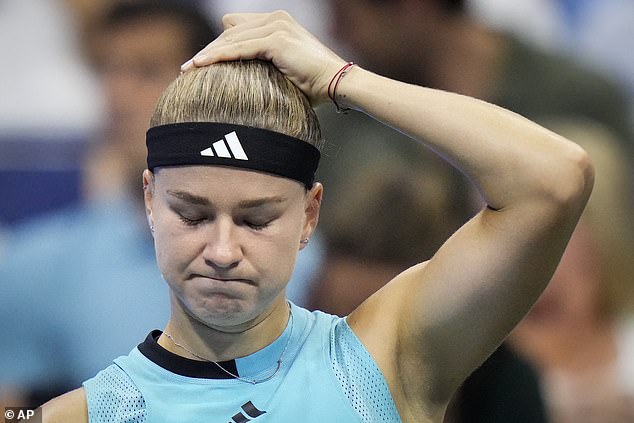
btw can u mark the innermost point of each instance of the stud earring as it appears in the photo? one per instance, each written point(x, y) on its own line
point(304, 241)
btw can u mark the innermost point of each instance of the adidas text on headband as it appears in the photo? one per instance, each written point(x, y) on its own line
point(210, 143)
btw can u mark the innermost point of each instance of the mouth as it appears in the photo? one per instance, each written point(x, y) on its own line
point(222, 279)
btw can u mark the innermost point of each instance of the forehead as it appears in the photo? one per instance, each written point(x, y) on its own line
point(223, 183)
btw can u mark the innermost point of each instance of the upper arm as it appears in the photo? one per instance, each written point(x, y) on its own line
point(70, 407)
point(477, 287)
point(442, 318)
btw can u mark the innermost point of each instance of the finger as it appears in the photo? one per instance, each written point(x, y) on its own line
point(208, 55)
point(243, 50)
point(271, 35)
point(233, 19)
point(233, 22)
point(188, 65)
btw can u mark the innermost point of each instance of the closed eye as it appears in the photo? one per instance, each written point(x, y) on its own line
point(257, 226)
point(191, 222)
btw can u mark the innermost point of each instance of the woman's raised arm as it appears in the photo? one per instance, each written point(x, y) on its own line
point(433, 324)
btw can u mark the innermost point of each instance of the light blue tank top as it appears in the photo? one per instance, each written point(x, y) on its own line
point(326, 375)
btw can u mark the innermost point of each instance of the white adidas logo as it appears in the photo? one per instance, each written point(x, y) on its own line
point(221, 150)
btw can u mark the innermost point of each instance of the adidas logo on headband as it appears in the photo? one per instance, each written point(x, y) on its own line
point(221, 150)
point(188, 144)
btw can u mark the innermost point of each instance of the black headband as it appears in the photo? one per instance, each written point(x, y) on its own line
point(210, 143)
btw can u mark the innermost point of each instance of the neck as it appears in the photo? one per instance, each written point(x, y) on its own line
point(222, 343)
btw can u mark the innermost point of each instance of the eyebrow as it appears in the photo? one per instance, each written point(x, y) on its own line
point(190, 198)
point(245, 204)
point(248, 204)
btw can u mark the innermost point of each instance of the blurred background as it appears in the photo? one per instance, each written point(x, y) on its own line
point(78, 281)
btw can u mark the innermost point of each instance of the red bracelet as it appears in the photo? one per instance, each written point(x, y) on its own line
point(334, 83)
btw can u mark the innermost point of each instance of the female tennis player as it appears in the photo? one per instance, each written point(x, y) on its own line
point(230, 198)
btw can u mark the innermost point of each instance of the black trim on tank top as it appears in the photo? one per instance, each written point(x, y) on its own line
point(181, 365)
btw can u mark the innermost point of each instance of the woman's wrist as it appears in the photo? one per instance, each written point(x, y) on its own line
point(334, 84)
point(342, 85)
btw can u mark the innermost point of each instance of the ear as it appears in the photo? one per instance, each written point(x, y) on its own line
point(148, 196)
point(312, 206)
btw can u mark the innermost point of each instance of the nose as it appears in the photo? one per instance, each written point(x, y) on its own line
point(223, 250)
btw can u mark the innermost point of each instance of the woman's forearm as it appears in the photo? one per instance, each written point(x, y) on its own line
point(508, 157)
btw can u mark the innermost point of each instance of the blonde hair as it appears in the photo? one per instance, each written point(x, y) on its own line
point(252, 93)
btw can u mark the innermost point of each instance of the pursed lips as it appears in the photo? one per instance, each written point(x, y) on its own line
point(222, 280)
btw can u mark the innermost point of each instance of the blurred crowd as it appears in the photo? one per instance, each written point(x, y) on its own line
point(78, 280)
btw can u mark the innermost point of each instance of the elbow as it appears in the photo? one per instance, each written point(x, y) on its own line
point(574, 178)
point(583, 174)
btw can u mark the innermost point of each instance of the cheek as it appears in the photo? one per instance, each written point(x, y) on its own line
point(163, 257)
point(173, 252)
point(275, 255)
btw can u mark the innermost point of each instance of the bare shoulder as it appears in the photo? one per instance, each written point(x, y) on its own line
point(70, 407)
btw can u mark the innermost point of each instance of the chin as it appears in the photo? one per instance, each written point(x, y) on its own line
point(223, 311)
point(222, 307)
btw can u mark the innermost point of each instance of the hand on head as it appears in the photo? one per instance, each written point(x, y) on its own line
point(278, 38)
